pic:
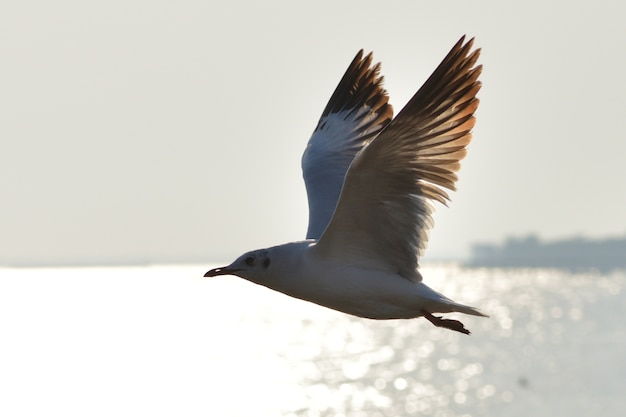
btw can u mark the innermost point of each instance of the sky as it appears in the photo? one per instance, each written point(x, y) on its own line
point(156, 131)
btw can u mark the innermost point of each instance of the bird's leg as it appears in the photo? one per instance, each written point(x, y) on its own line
point(447, 323)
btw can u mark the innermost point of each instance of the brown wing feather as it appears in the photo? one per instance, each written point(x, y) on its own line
point(383, 215)
point(356, 112)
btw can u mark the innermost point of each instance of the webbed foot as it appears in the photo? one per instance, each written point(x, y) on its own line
point(455, 325)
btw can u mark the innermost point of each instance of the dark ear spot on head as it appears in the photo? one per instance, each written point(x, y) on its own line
point(266, 263)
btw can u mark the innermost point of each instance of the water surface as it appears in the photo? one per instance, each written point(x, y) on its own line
point(162, 341)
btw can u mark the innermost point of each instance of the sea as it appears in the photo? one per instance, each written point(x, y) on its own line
point(164, 341)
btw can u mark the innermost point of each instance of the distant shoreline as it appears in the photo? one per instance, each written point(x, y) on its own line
point(515, 252)
point(571, 253)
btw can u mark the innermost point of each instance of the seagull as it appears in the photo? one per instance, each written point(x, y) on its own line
point(371, 182)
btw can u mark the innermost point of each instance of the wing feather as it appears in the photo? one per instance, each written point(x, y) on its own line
point(356, 112)
point(384, 211)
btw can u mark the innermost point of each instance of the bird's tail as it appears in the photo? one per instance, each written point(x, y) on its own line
point(462, 308)
point(439, 303)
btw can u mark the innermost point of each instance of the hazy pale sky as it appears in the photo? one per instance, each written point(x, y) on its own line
point(172, 131)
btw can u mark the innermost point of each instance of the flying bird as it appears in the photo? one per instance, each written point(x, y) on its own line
point(371, 182)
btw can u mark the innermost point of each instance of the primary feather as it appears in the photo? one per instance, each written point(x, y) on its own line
point(354, 115)
point(383, 214)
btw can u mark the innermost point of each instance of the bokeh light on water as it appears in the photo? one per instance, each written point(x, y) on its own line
point(537, 353)
point(164, 341)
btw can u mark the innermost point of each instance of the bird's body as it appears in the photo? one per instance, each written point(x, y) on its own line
point(301, 270)
point(370, 181)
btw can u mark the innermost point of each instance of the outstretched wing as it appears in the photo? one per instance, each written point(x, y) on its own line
point(355, 114)
point(384, 212)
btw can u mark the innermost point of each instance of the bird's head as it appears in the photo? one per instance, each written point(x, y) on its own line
point(251, 266)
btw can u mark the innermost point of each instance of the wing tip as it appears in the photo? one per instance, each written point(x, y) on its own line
point(360, 83)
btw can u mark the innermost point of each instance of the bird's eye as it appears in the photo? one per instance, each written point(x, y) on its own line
point(249, 261)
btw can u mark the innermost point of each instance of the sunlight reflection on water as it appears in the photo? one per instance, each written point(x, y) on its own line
point(163, 341)
point(533, 354)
